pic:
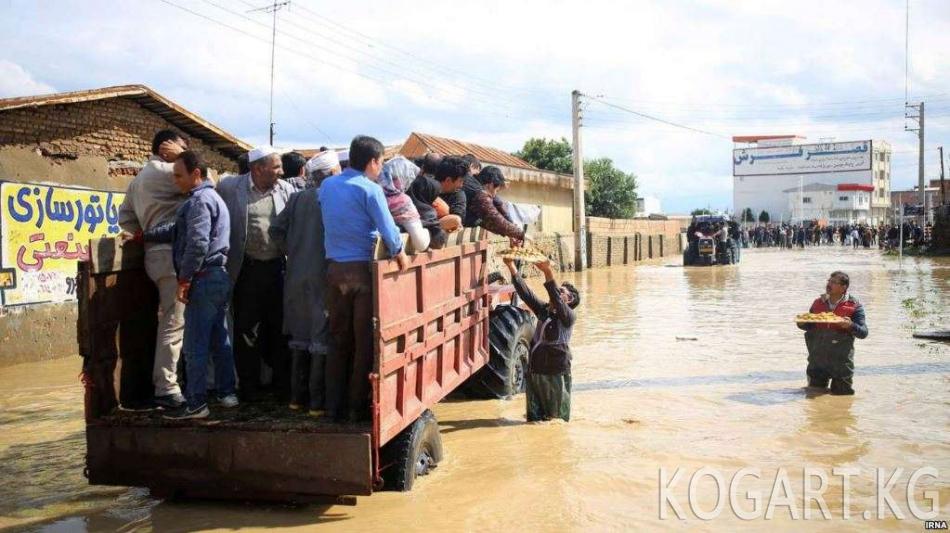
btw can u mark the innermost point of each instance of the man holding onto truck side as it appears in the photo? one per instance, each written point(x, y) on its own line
point(152, 199)
point(199, 237)
point(355, 214)
point(831, 346)
point(548, 379)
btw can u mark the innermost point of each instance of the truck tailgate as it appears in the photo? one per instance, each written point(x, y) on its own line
point(224, 462)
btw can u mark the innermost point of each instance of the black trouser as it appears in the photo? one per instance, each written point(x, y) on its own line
point(350, 306)
point(258, 322)
point(307, 386)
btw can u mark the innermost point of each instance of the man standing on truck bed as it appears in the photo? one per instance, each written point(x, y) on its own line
point(152, 199)
point(355, 214)
point(548, 379)
point(256, 266)
point(199, 237)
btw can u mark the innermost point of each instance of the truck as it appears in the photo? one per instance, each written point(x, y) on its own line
point(439, 327)
point(706, 243)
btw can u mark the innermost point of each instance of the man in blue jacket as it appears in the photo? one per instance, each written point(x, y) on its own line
point(355, 214)
point(200, 240)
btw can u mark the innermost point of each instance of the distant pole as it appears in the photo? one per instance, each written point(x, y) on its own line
point(920, 166)
point(580, 220)
point(922, 189)
point(273, 9)
point(943, 190)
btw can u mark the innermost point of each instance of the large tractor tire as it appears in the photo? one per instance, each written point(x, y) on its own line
point(510, 332)
point(413, 453)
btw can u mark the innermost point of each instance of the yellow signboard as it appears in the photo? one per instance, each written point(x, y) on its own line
point(44, 231)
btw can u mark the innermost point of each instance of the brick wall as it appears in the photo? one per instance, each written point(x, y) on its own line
point(116, 130)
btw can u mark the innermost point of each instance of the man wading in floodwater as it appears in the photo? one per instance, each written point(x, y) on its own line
point(831, 346)
point(548, 379)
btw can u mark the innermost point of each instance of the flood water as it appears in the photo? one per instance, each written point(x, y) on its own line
point(673, 368)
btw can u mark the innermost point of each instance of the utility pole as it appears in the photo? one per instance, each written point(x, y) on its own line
point(921, 187)
point(273, 8)
point(580, 220)
point(943, 190)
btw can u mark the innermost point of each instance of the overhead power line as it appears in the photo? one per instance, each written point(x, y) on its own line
point(654, 118)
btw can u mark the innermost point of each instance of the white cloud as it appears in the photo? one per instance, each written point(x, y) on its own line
point(16, 81)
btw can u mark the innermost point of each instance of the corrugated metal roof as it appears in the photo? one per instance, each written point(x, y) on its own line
point(188, 122)
point(418, 144)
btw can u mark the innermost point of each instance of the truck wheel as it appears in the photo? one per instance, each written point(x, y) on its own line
point(412, 453)
point(510, 332)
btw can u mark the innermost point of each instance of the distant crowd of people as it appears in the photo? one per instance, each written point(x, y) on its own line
point(882, 236)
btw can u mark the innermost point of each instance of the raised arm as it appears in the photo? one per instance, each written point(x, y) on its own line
point(525, 292)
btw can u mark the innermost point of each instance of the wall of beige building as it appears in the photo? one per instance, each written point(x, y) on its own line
point(557, 204)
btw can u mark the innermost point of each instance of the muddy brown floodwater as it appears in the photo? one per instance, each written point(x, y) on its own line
point(674, 368)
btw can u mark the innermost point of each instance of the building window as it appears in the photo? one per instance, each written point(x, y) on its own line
point(842, 198)
point(880, 174)
point(806, 199)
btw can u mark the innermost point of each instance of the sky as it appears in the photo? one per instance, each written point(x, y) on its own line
point(500, 72)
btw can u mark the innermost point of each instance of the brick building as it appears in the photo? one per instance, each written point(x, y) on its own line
point(85, 144)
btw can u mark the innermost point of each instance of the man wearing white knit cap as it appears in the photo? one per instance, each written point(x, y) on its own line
point(256, 264)
point(323, 165)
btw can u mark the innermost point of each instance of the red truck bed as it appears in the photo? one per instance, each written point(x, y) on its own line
point(431, 333)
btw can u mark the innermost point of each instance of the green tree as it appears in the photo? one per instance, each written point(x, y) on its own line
point(748, 215)
point(764, 216)
point(548, 154)
point(700, 211)
point(611, 192)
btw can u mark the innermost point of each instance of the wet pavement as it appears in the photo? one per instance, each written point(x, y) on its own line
point(674, 368)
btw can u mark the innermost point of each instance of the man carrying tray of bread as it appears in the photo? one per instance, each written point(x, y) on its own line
point(831, 344)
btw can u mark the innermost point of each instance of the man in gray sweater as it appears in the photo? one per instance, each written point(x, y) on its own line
point(152, 199)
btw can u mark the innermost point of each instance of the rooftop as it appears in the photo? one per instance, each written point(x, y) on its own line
point(419, 144)
point(185, 120)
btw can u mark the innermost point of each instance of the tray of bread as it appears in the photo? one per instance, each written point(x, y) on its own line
point(819, 318)
point(529, 255)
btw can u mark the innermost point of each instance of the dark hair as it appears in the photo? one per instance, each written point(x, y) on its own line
point(165, 135)
point(430, 163)
point(841, 278)
point(451, 167)
point(364, 149)
point(293, 162)
point(193, 160)
point(491, 175)
point(243, 167)
point(472, 161)
point(575, 296)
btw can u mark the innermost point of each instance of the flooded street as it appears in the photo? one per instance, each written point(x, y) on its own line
point(673, 368)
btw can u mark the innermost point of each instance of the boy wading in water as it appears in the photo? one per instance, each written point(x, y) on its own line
point(548, 379)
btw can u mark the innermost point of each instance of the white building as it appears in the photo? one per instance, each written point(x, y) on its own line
point(847, 203)
point(765, 167)
point(648, 205)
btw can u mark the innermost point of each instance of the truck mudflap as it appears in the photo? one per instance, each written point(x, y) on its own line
point(228, 463)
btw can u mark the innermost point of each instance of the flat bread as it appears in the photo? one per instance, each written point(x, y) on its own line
point(529, 255)
point(819, 318)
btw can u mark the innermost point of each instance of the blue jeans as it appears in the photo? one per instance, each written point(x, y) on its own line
point(206, 329)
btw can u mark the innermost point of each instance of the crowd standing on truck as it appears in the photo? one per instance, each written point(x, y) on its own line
point(291, 260)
